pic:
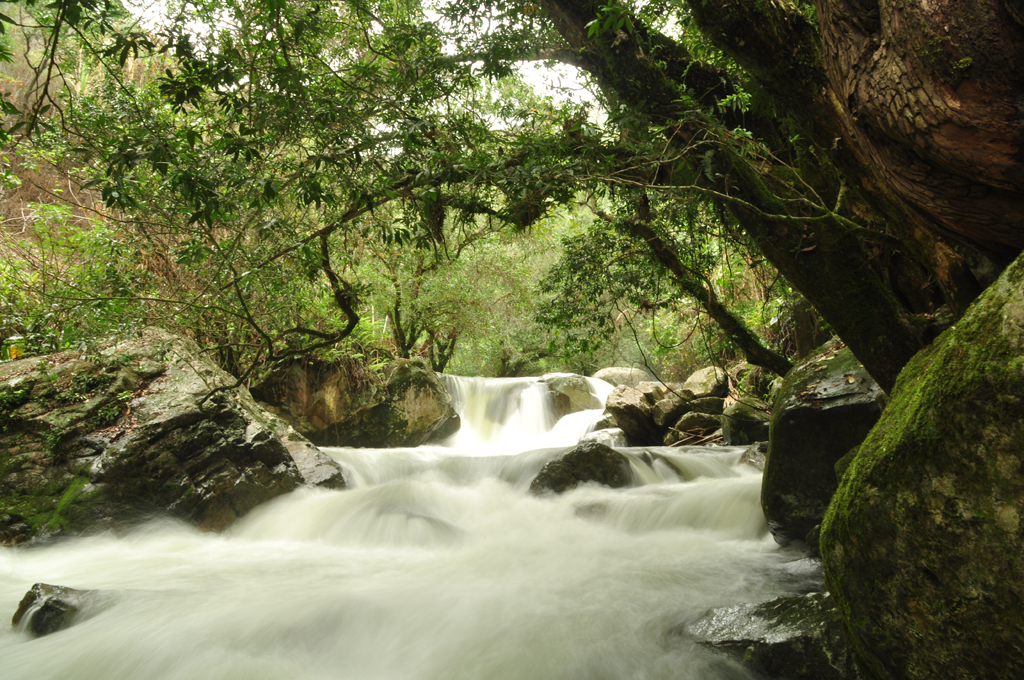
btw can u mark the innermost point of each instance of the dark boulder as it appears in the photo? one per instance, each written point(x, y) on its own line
point(827, 405)
point(588, 462)
point(923, 544)
point(46, 609)
point(796, 638)
point(689, 425)
point(324, 402)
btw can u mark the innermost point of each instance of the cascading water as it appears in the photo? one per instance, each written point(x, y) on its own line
point(436, 564)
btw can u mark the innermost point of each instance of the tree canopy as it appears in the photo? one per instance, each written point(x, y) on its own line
point(270, 146)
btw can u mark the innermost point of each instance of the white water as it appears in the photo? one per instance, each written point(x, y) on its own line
point(436, 564)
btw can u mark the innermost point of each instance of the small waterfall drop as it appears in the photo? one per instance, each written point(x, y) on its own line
point(510, 415)
point(436, 564)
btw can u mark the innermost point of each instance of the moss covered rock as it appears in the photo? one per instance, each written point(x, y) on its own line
point(827, 405)
point(104, 440)
point(923, 545)
point(745, 422)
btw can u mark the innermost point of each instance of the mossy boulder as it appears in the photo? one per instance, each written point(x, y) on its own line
point(108, 439)
point(923, 544)
point(588, 462)
point(827, 405)
point(797, 638)
point(745, 421)
point(340, 404)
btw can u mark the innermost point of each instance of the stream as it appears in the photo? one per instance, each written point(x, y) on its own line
point(436, 564)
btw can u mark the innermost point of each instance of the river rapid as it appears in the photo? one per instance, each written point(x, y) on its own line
point(436, 564)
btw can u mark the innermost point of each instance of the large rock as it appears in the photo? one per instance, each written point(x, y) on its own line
point(588, 462)
point(708, 382)
point(325, 402)
point(619, 375)
point(826, 406)
point(340, 405)
point(570, 393)
point(89, 442)
point(797, 638)
point(633, 413)
point(418, 406)
point(923, 545)
point(745, 422)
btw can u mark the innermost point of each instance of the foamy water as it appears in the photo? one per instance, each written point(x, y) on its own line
point(436, 563)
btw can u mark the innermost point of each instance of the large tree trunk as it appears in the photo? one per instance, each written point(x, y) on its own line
point(825, 261)
point(931, 93)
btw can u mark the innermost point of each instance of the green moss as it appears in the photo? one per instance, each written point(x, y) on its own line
point(921, 537)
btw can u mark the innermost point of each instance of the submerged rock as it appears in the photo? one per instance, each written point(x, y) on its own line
point(923, 545)
point(827, 405)
point(796, 638)
point(108, 440)
point(46, 609)
point(588, 462)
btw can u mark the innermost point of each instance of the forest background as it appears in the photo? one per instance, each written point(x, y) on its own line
point(377, 180)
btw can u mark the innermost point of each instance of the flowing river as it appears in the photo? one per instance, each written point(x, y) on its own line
point(436, 564)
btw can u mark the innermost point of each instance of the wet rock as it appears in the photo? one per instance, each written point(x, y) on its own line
point(796, 638)
point(14, 530)
point(135, 431)
point(708, 382)
point(612, 436)
point(827, 405)
point(633, 413)
point(745, 422)
point(570, 393)
point(754, 455)
point(46, 609)
point(588, 462)
point(923, 544)
point(617, 375)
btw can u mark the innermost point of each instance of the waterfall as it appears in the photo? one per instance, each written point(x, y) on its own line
point(436, 563)
point(505, 415)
